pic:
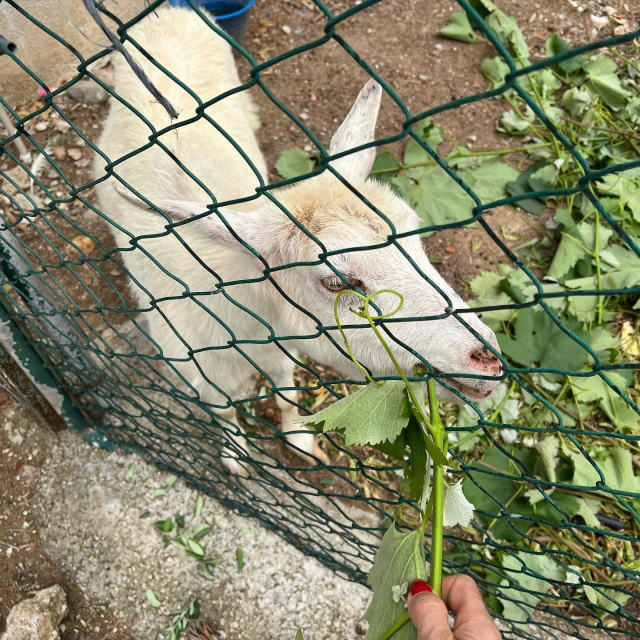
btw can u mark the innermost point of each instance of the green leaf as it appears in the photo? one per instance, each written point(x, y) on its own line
point(153, 600)
point(171, 480)
point(532, 573)
point(604, 81)
point(571, 247)
point(368, 416)
point(508, 32)
point(540, 340)
point(430, 133)
point(419, 459)
point(577, 101)
point(158, 493)
point(196, 547)
point(512, 123)
point(239, 559)
point(385, 167)
point(404, 187)
point(199, 505)
point(530, 205)
point(201, 530)
point(605, 600)
point(616, 465)
point(458, 511)
point(295, 162)
point(130, 471)
point(395, 449)
point(164, 526)
point(459, 29)
point(626, 185)
point(400, 559)
point(440, 200)
point(299, 635)
point(544, 178)
point(495, 69)
point(496, 490)
point(555, 45)
point(489, 180)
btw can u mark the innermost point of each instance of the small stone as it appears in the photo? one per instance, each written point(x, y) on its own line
point(304, 116)
point(37, 618)
point(87, 91)
point(41, 126)
point(59, 153)
point(286, 29)
point(473, 137)
point(610, 11)
point(423, 77)
point(599, 21)
point(362, 627)
point(74, 154)
point(62, 126)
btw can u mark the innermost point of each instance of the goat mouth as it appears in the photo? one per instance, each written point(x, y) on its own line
point(469, 390)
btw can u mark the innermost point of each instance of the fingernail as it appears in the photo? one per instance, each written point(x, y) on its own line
point(419, 586)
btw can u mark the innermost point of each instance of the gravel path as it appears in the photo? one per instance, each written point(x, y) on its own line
point(88, 511)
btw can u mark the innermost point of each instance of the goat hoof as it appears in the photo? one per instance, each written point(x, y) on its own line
point(236, 468)
point(319, 454)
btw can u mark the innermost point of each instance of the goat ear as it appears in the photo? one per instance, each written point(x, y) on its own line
point(210, 226)
point(357, 129)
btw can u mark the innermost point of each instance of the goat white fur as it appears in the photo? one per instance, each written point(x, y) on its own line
point(207, 335)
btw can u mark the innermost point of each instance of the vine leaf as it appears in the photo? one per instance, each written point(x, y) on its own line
point(604, 81)
point(400, 559)
point(369, 416)
point(459, 29)
point(519, 602)
point(489, 180)
point(295, 162)
point(545, 343)
point(457, 509)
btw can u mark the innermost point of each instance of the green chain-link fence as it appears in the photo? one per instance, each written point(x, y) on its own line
point(537, 557)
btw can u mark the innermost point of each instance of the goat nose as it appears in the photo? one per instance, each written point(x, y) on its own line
point(481, 358)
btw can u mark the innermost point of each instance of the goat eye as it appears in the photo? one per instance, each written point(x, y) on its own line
point(336, 285)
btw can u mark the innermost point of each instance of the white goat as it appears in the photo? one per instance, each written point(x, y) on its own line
point(210, 335)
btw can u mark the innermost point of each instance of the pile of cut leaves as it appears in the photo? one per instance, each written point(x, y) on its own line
point(573, 308)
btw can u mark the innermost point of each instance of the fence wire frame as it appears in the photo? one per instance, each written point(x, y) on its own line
point(122, 390)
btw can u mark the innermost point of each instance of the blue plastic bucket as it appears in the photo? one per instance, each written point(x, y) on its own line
point(231, 15)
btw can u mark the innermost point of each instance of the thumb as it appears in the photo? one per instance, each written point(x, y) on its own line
point(428, 612)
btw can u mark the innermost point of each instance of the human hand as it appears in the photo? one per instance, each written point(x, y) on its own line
point(461, 596)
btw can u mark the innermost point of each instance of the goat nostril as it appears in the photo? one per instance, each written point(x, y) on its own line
point(482, 357)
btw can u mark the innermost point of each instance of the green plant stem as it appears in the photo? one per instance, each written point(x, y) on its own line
point(596, 257)
point(396, 626)
point(453, 156)
point(437, 493)
point(435, 579)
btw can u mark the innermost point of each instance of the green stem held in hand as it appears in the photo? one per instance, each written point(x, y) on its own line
point(431, 426)
point(440, 440)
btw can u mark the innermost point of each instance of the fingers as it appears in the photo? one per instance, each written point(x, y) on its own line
point(462, 597)
point(428, 613)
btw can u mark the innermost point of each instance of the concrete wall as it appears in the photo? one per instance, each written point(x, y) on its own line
point(46, 57)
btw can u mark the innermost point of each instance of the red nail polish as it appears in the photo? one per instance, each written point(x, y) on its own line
point(419, 586)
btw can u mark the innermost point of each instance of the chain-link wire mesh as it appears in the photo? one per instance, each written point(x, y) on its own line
point(114, 371)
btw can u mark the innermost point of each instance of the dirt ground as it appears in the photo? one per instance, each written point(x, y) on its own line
point(399, 39)
point(24, 565)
